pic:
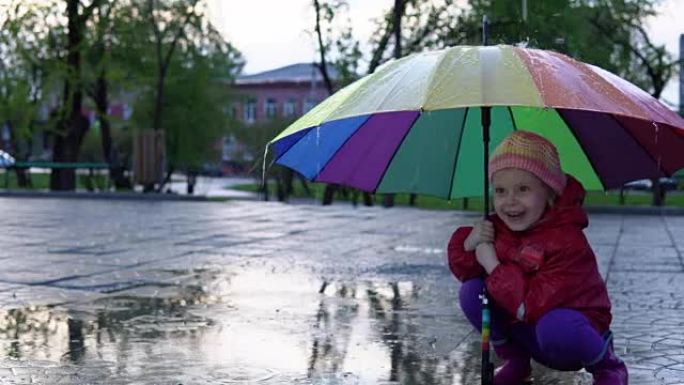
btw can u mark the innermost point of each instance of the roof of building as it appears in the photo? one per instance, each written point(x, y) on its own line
point(294, 73)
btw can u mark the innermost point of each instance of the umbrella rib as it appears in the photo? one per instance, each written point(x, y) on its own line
point(574, 135)
point(303, 132)
point(396, 150)
point(460, 138)
point(340, 147)
point(510, 112)
point(395, 86)
point(660, 168)
point(433, 75)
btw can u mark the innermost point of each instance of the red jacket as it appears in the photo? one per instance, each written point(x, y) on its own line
point(546, 267)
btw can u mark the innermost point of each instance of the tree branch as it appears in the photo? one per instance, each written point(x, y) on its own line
point(179, 32)
point(652, 73)
point(88, 11)
point(382, 45)
point(322, 66)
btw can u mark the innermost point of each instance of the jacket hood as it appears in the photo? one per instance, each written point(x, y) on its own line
point(568, 207)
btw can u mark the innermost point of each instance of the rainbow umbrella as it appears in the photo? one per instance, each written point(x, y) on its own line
point(415, 125)
point(425, 124)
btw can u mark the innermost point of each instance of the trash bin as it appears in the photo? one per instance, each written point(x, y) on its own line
point(149, 157)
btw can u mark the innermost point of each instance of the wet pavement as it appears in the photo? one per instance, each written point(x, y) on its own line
point(139, 292)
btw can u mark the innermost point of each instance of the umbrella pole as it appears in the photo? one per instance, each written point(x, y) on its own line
point(487, 371)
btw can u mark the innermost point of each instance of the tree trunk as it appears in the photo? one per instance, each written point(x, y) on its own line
point(323, 65)
point(265, 190)
point(658, 192)
point(280, 188)
point(110, 154)
point(66, 150)
point(23, 181)
point(388, 199)
point(192, 180)
point(167, 179)
point(72, 128)
point(329, 194)
point(330, 189)
point(305, 184)
point(398, 14)
point(156, 123)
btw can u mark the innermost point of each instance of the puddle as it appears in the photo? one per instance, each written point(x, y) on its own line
point(419, 249)
point(251, 326)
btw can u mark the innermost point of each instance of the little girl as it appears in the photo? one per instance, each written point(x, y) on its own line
point(548, 299)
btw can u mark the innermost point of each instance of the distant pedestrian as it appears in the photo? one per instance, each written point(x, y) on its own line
point(549, 302)
point(191, 181)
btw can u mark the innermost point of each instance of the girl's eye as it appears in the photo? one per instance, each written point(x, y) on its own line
point(498, 190)
point(524, 188)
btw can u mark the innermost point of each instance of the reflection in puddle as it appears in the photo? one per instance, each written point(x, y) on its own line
point(255, 326)
point(378, 335)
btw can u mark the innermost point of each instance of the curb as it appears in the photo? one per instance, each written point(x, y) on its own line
point(105, 196)
point(153, 197)
point(635, 210)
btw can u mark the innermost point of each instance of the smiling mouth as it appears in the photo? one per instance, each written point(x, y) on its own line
point(515, 215)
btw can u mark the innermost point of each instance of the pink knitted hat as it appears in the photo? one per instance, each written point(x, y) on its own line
point(530, 152)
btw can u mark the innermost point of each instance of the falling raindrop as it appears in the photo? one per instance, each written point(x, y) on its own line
point(318, 142)
point(659, 155)
point(263, 167)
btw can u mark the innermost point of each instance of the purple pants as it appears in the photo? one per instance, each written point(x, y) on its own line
point(563, 339)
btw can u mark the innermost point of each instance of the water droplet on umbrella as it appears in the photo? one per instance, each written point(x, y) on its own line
point(659, 155)
point(318, 142)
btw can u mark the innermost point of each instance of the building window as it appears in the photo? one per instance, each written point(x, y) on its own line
point(309, 104)
point(250, 111)
point(290, 108)
point(270, 108)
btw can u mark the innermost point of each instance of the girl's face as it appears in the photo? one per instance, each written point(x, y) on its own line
point(520, 198)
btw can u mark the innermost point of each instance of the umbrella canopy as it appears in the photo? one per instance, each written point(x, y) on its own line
point(415, 124)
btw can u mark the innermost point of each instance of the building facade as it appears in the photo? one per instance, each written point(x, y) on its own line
point(286, 92)
point(283, 93)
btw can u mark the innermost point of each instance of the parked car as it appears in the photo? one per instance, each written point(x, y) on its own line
point(6, 160)
point(668, 184)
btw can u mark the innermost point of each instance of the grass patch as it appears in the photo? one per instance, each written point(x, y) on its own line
point(594, 198)
point(41, 181)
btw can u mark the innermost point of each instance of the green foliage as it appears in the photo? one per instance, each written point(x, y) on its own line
point(91, 148)
point(606, 33)
point(341, 50)
point(28, 65)
point(41, 181)
point(255, 137)
point(190, 65)
point(119, 45)
point(195, 112)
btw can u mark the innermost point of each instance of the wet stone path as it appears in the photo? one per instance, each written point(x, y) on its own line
point(124, 292)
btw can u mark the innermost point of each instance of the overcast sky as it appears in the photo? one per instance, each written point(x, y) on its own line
point(274, 33)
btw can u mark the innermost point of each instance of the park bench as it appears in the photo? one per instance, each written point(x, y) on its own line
point(89, 180)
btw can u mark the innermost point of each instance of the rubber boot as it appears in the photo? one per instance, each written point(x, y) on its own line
point(610, 370)
point(516, 369)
